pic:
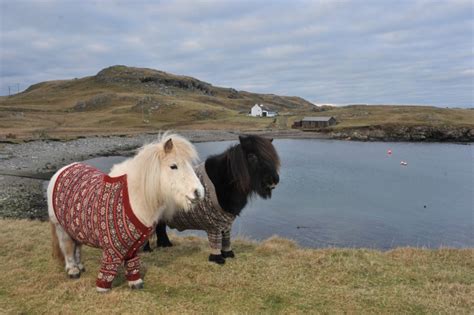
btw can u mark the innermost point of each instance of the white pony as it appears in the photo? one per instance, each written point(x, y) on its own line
point(118, 213)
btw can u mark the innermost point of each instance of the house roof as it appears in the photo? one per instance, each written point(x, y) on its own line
point(264, 107)
point(325, 118)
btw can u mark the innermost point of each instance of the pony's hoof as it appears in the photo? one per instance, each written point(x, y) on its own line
point(218, 259)
point(136, 285)
point(165, 243)
point(102, 290)
point(228, 254)
point(74, 273)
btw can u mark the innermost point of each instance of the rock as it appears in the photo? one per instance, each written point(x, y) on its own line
point(96, 102)
point(405, 133)
point(147, 104)
point(153, 79)
point(233, 93)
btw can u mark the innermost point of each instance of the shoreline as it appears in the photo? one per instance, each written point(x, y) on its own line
point(376, 133)
point(22, 197)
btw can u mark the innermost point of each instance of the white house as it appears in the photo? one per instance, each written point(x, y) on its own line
point(260, 110)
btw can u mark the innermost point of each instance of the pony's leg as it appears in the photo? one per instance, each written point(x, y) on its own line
point(147, 247)
point(107, 273)
point(162, 239)
point(132, 273)
point(226, 251)
point(215, 242)
point(77, 256)
point(67, 245)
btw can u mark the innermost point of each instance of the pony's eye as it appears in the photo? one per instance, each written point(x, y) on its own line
point(174, 167)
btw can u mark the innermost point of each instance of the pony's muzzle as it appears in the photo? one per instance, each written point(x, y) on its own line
point(274, 181)
point(197, 195)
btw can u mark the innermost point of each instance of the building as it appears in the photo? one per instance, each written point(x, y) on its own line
point(314, 122)
point(260, 110)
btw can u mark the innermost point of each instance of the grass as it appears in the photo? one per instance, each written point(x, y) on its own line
point(60, 121)
point(383, 115)
point(274, 276)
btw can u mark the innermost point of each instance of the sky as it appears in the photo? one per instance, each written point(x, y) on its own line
point(328, 52)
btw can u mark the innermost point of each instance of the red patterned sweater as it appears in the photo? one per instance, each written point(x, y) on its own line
point(94, 209)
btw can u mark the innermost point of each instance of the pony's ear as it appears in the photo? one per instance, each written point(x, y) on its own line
point(271, 139)
point(168, 146)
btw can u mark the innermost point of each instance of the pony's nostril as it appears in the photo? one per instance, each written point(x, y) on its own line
point(276, 179)
point(197, 195)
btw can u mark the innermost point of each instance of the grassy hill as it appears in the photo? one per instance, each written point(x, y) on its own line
point(275, 276)
point(123, 99)
point(127, 100)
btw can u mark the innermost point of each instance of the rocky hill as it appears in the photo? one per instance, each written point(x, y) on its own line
point(124, 100)
point(143, 85)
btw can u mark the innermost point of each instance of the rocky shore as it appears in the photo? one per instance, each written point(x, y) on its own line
point(24, 197)
point(404, 133)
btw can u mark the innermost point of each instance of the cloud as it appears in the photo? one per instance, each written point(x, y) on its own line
point(281, 51)
point(406, 52)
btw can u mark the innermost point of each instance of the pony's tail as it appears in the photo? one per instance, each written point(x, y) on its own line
point(57, 253)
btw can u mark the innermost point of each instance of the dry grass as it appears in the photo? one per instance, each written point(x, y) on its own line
point(49, 109)
point(274, 276)
point(366, 116)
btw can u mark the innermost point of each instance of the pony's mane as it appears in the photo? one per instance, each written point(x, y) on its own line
point(237, 162)
point(238, 169)
point(267, 151)
point(145, 166)
point(234, 179)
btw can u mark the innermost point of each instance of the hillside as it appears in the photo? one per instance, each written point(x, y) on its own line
point(127, 100)
point(123, 99)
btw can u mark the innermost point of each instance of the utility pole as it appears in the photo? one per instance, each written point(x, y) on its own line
point(8, 90)
point(18, 88)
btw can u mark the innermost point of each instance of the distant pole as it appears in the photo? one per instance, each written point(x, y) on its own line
point(18, 88)
point(8, 90)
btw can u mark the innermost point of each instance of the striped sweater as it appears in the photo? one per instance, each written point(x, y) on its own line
point(207, 215)
point(94, 209)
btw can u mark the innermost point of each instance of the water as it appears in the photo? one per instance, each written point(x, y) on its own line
point(353, 194)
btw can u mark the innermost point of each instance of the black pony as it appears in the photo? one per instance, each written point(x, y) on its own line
point(230, 179)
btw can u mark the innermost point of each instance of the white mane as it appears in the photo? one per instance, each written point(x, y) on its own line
point(149, 196)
